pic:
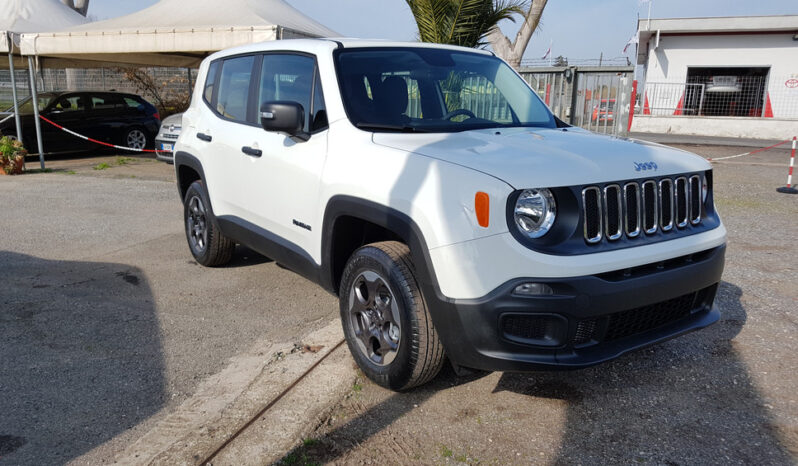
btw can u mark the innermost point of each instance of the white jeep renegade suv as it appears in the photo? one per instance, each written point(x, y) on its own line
point(454, 216)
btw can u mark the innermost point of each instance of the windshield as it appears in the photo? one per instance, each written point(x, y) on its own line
point(26, 105)
point(434, 90)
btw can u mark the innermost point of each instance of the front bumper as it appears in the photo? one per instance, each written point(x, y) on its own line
point(165, 156)
point(588, 319)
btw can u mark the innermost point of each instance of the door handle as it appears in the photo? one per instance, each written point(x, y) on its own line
point(204, 137)
point(250, 151)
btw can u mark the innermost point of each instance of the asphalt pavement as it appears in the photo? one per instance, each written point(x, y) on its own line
point(106, 321)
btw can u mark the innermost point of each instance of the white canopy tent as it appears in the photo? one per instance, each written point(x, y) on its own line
point(175, 32)
point(171, 33)
point(20, 16)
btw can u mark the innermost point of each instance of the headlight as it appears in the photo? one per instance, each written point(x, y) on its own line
point(534, 212)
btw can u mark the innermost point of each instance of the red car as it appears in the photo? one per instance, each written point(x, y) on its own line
point(604, 112)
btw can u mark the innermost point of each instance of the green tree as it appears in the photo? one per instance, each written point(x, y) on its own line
point(461, 22)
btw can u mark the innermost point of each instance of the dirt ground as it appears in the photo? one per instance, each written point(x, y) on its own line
point(724, 395)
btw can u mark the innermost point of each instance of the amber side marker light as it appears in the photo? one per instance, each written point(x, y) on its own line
point(482, 208)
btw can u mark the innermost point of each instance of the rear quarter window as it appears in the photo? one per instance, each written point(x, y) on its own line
point(210, 82)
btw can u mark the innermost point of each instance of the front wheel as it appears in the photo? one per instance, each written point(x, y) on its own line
point(386, 322)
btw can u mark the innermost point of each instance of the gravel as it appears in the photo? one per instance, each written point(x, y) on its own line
point(724, 395)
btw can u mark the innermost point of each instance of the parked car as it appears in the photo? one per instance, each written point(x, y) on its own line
point(113, 117)
point(604, 112)
point(483, 230)
point(167, 136)
point(723, 84)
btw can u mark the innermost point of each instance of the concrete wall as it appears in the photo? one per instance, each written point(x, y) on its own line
point(669, 63)
point(754, 128)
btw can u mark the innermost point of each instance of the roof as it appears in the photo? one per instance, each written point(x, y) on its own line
point(317, 46)
point(715, 25)
point(170, 33)
point(19, 16)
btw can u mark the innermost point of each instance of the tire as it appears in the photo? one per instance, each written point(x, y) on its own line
point(205, 240)
point(136, 138)
point(386, 321)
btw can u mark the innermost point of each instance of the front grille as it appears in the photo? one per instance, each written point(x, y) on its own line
point(648, 207)
point(638, 320)
point(170, 136)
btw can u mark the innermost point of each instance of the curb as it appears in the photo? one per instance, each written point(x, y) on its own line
point(256, 409)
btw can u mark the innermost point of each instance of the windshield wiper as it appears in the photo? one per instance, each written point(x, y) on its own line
point(389, 127)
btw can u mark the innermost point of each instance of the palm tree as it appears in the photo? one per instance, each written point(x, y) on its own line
point(461, 22)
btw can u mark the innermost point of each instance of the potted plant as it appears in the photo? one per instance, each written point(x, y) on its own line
point(12, 156)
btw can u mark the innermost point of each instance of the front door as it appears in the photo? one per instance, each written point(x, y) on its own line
point(281, 175)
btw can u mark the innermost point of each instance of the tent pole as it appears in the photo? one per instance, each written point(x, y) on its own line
point(35, 99)
point(14, 92)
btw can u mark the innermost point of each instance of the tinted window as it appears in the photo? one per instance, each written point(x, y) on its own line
point(66, 104)
point(133, 103)
point(106, 102)
point(288, 77)
point(210, 80)
point(234, 88)
point(319, 111)
point(434, 90)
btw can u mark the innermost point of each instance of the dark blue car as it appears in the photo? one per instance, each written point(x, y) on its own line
point(112, 117)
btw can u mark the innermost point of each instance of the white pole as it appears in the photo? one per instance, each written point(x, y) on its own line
point(14, 91)
point(648, 21)
point(35, 99)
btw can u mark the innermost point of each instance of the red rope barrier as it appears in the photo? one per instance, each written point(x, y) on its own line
point(96, 141)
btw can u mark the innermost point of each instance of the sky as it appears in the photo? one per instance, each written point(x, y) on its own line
point(577, 29)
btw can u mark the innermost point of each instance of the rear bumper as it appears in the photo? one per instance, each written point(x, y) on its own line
point(588, 319)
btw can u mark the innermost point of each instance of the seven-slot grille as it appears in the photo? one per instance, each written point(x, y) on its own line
point(637, 208)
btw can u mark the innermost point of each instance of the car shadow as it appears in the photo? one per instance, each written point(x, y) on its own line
point(80, 356)
point(688, 401)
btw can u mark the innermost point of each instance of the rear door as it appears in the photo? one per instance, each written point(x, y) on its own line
point(107, 119)
point(221, 132)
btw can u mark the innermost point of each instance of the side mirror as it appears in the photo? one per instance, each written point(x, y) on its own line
point(284, 117)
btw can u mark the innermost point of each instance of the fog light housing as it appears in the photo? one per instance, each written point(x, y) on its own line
point(533, 289)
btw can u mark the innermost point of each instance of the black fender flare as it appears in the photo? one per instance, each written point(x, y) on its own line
point(182, 158)
point(386, 217)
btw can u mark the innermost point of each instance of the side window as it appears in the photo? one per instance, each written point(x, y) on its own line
point(133, 103)
point(69, 104)
point(288, 77)
point(105, 102)
point(234, 88)
point(210, 80)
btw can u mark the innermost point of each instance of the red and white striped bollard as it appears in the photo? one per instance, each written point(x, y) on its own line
point(789, 189)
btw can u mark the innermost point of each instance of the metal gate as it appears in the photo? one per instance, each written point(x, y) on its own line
point(594, 98)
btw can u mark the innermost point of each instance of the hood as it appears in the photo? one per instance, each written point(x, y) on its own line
point(541, 157)
point(174, 119)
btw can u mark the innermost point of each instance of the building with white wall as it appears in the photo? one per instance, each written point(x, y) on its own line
point(729, 76)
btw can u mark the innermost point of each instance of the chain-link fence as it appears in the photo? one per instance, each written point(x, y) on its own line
point(166, 84)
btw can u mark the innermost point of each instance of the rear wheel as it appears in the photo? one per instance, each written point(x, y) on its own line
point(386, 321)
point(135, 138)
point(207, 243)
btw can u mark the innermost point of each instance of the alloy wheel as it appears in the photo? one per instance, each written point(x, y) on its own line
point(196, 224)
point(374, 318)
point(136, 139)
